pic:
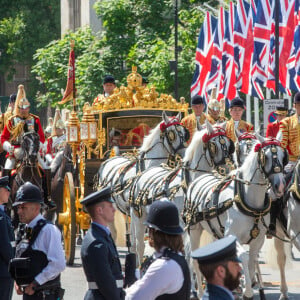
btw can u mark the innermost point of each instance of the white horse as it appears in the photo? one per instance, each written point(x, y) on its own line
point(288, 228)
point(166, 140)
point(210, 149)
point(238, 205)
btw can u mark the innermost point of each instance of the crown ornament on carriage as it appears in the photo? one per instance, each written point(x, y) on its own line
point(137, 96)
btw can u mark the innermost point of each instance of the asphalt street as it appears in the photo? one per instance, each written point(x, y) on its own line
point(73, 279)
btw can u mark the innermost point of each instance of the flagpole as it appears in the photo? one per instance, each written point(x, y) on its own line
point(72, 43)
point(277, 48)
point(176, 49)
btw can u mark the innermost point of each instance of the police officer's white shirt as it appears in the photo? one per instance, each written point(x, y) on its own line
point(164, 276)
point(49, 242)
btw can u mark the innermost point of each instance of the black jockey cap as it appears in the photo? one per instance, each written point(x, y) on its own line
point(97, 197)
point(12, 98)
point(220, 250)
point(28, 192)
point(237, 102)
point(280, 110)
point(196, 100)
point(297, 98)
point(163, 216)
point(108, 79)
point(4, 182)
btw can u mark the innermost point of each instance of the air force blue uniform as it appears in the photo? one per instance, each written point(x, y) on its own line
point(215, 292)
point(100, 259)
point(101, 265)
point(6, 254)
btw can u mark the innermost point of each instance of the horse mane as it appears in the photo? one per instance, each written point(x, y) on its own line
point(195, 148)
point(152, 138)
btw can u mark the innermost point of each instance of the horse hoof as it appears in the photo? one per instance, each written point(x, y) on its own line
point(282, 297)
point(194, 296)
point(247, 298)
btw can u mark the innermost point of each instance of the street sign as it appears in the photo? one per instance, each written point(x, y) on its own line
point(269, 110)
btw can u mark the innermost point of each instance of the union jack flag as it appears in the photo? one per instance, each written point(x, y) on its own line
point(228, 77)
point(203, 55)
point(243, 47)
point(261, 34)
point(286, 36)
point(216, 60)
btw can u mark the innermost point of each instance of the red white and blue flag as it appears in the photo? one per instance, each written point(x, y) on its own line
point(203, 56)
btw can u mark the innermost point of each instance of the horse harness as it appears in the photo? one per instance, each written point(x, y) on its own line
point(214, 208)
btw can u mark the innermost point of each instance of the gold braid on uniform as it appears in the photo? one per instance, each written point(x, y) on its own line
point(15, 131)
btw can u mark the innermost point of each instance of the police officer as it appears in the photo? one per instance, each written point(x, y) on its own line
point(7, 246)
point(236, 111)
point(168, 276)
point(41, 243)
point(99, 254)
point(221, 268)
point(190, 121)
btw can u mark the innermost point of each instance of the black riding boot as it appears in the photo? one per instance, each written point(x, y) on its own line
point(51, 204)
point(274, 211)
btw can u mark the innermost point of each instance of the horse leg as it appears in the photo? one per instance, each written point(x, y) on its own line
point(137, 235)
point(244, 257)
point(195, 235)
point(281, 261)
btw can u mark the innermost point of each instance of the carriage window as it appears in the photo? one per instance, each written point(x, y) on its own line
point(128, 132)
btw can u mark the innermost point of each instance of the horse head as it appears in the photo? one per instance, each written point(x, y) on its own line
point(30, 145)
point(272, 159)
point(219, 148)
point(243, 146)
point(173, 134)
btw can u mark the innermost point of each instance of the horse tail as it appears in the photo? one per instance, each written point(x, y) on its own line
point(272, 254)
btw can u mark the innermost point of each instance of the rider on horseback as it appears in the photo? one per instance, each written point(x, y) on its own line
point(57, 140)
point(290, 129)
point(21, 122)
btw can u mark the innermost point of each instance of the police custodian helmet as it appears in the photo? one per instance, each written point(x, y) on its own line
point(163, 216)
point(28, 192)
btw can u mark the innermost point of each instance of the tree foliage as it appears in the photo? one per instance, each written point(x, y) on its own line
point(139, 33)
point(25, 26)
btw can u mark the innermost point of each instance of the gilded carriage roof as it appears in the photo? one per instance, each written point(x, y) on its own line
point(136, 96)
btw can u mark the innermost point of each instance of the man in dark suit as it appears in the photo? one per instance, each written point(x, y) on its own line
point(7, 242)
point(99, 254)
point(220, 266)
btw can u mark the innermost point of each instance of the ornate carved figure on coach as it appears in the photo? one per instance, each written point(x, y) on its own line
point(39, 254)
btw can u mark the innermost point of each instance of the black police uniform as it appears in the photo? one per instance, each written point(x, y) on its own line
point(34, 261)
point(7, 248)
point(100, 258)
point(163, 216)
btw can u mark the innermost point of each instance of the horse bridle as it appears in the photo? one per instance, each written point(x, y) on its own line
point(248, 138)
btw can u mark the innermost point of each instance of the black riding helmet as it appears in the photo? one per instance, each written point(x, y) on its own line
point(163, 216)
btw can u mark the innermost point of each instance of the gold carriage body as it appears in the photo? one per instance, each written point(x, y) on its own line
point(122, 119)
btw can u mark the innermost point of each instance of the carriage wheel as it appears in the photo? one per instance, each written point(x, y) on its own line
point(69, 229)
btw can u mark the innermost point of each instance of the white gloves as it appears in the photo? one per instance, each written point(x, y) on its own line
point(8, 147)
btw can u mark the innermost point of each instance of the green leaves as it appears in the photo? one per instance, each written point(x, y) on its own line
point(139, 33)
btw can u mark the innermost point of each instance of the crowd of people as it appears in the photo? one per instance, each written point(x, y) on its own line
point(32, 258)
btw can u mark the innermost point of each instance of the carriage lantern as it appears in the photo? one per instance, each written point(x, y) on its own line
point(88, 128)
point(73, 134)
